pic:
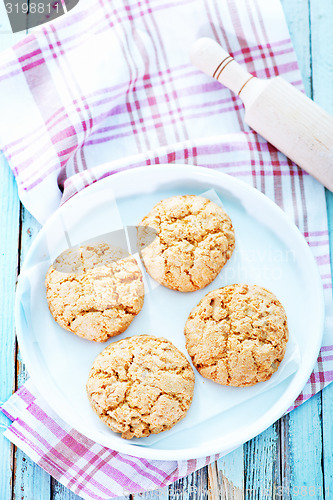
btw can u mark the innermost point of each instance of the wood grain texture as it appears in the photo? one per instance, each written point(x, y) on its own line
point(9, 227)
point(305, 444)
point(321, 52)
point(284, 449)
point(262, 465)
point(321, 15)
point(226, 477)
point(194, 486)
point(327, 439)
point(298, 20)
point(322, 71)
point(9, 230)
point(300, 448)
point(60, 492)
point(31, 482)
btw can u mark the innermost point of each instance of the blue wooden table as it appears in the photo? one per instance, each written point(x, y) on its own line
point(290, 460)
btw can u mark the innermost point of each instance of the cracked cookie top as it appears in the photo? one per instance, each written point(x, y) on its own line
point(185, 241)
point(94, 291)
point(237, 335)
point(141, 385)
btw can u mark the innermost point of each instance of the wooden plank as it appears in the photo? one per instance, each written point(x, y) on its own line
point(322, 68)
point(300, 464)
point(305, 443)
point(321, 52)
point(285, 452)
point(31, 482)
point(9, 226)
point(327, 437)
point(226, 477)
point(9, 230)
point(262, 465)
point(60, 492)
point(329, 205)
point(298, 21)
point(194, 486)
point(29, 229)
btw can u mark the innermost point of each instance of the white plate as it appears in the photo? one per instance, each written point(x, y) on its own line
point(270, 251)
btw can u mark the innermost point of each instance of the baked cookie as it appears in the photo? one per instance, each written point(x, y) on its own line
point(94, 291)
point(237, 335)
point(185, 241)
point(140, 385)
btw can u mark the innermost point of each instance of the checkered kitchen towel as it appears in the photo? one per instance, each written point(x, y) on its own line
point(110, 87)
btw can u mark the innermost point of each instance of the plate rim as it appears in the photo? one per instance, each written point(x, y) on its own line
point(270, 416)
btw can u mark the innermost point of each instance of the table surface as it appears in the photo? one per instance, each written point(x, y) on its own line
point(294, 457)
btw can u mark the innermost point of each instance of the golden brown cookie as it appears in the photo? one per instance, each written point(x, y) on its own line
point(237, 335)
point(95, 291)
point(185, 241)
point(140, 385)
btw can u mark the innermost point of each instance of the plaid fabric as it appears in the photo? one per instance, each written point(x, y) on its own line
point(114, 79)
point(108, 88)
point(86, 468)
